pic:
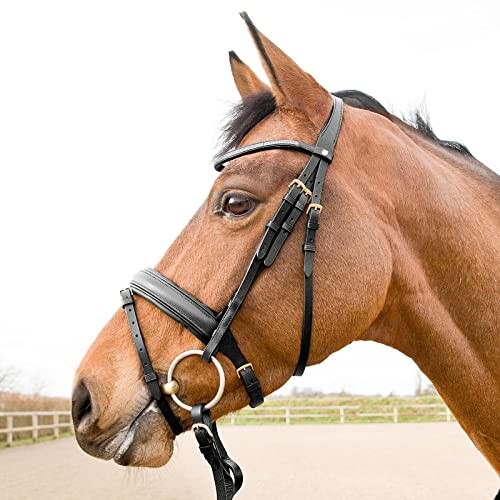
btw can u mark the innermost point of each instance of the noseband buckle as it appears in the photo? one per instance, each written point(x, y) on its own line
point(301, 186)
point(314, 206)
point(243, 367)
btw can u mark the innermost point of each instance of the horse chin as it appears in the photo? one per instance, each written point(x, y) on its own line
point(147, 442)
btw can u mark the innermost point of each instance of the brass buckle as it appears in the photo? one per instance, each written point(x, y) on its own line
point(301, 186)
point(244, 367)
point(315, 206)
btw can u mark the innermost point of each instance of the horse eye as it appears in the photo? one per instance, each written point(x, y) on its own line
point(238, 204)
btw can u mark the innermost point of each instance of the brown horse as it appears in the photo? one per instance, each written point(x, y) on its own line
point(408, 255)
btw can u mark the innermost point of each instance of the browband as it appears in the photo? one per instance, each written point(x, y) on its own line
point(316, 150)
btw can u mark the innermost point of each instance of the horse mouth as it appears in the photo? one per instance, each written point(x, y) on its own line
point(122, 454)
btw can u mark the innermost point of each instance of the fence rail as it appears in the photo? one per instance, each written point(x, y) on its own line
point(13, 417)
point(344, 413)
point(283, 414)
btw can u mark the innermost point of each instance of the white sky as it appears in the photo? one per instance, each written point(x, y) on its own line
point(107, 107)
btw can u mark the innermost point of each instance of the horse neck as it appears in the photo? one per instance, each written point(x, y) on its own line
point(441, 217)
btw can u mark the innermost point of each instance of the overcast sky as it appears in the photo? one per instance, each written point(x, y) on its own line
point(100, 102)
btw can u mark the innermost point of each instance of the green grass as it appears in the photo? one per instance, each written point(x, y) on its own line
point(27, 441)
point(309, 406)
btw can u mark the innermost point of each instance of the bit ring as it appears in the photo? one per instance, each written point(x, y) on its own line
point(222, 378)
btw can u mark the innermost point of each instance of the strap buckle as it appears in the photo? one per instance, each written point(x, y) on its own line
point(302, 186)
point(126, 297)
point(314, 206)
point(243, 367)
point(204, 427)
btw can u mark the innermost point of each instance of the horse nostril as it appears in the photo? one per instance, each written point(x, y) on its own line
point(81, 403)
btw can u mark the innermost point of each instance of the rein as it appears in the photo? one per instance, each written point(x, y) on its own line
point(214, 329)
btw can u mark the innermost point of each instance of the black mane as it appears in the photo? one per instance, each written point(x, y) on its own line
point(253, 109)
point(416, 119)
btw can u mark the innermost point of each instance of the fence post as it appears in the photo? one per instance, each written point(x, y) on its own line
point(56, 425)
point(395, 414)
point(10, 427)
point(34, 423)
point(448, 415)
point(287, 415)
point(342, 416)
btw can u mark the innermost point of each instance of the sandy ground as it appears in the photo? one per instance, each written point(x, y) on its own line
point(366, 461)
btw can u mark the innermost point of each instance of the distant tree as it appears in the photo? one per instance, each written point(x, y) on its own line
point(38, 386)
point(8, 377)
point(306, 392)
point(429, 390)
point(419, 384)
point(423, 387)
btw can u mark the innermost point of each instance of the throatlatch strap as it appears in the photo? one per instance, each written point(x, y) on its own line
point(149, 374)
point(228, 476)
point(328, 138)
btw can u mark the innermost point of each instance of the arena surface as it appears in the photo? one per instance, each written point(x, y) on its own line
point(364, 461)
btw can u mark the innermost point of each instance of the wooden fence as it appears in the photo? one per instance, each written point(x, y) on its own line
point(343, 414)
point(58, 420)
point(271, 414)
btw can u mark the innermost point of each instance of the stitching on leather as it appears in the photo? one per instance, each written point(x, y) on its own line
point(170, 284)
point(204, 309)
point(167, 307)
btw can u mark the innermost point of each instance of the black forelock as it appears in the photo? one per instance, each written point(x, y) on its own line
point(243, 117)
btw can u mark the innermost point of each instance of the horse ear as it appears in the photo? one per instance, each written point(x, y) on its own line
point(289, 82)
point(247, 82)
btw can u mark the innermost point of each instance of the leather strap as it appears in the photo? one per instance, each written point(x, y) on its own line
point(150, 375)
point(328, 136)
point(286, 228)
point(198, 318)
point(228, 476)
point(316, 150)
point(232, 308)
point(280, 226)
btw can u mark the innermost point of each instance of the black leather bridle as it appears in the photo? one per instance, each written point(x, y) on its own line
point(214, 329)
